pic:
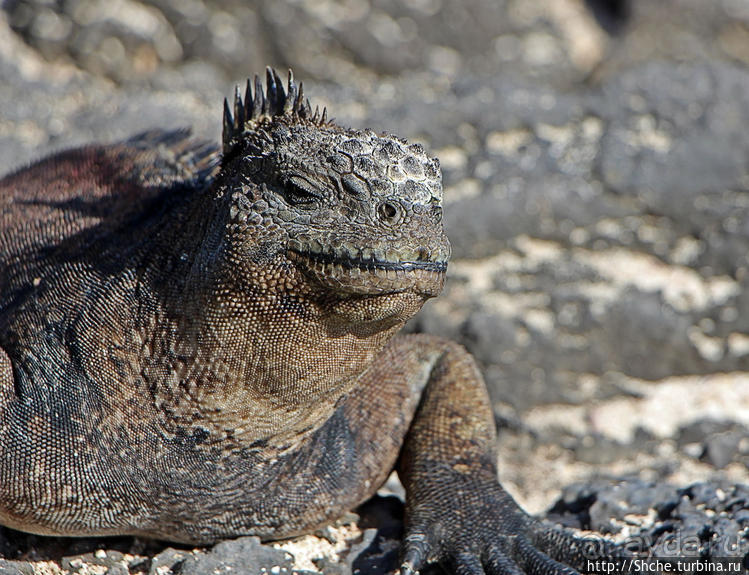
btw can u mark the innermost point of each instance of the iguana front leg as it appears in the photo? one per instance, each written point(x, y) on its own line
point(457, 513)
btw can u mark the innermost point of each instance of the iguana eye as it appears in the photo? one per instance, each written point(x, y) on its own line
point(299, 192)
point(390, 212)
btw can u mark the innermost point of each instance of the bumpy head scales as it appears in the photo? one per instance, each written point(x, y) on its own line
point(265, 104)
point(350, 211)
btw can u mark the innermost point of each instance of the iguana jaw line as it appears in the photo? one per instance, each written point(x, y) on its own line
point(372, 271)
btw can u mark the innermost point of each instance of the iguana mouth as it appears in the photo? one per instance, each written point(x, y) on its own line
point(371, 264)
point(365, 273)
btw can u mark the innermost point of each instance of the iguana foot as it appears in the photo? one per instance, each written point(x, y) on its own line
point(475, 527)
point(457, 513)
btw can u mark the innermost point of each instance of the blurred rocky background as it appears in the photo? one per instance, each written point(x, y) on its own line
point(596, 169)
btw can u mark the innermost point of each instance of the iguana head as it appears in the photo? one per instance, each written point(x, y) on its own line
point(352, 212)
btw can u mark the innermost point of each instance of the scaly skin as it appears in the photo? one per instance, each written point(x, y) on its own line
point(194, 348)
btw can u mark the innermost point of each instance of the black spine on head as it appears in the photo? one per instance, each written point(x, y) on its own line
point(271, 102)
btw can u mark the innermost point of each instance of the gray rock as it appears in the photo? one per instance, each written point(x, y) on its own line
point(16, 568)
point(169, 560)
point(111, 561)
point(717, 442)
point(721, 449)
point(703, 520)
point(644, 171)
point(238, 555)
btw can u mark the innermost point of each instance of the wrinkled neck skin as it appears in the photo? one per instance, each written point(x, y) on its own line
point(265, 353)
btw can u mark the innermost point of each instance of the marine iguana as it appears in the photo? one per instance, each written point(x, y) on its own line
point(199, 344)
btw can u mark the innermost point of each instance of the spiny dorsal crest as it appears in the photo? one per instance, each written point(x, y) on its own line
point(274, 101)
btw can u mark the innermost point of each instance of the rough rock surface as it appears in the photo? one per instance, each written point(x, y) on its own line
point(702, 520)
point(597, 189)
